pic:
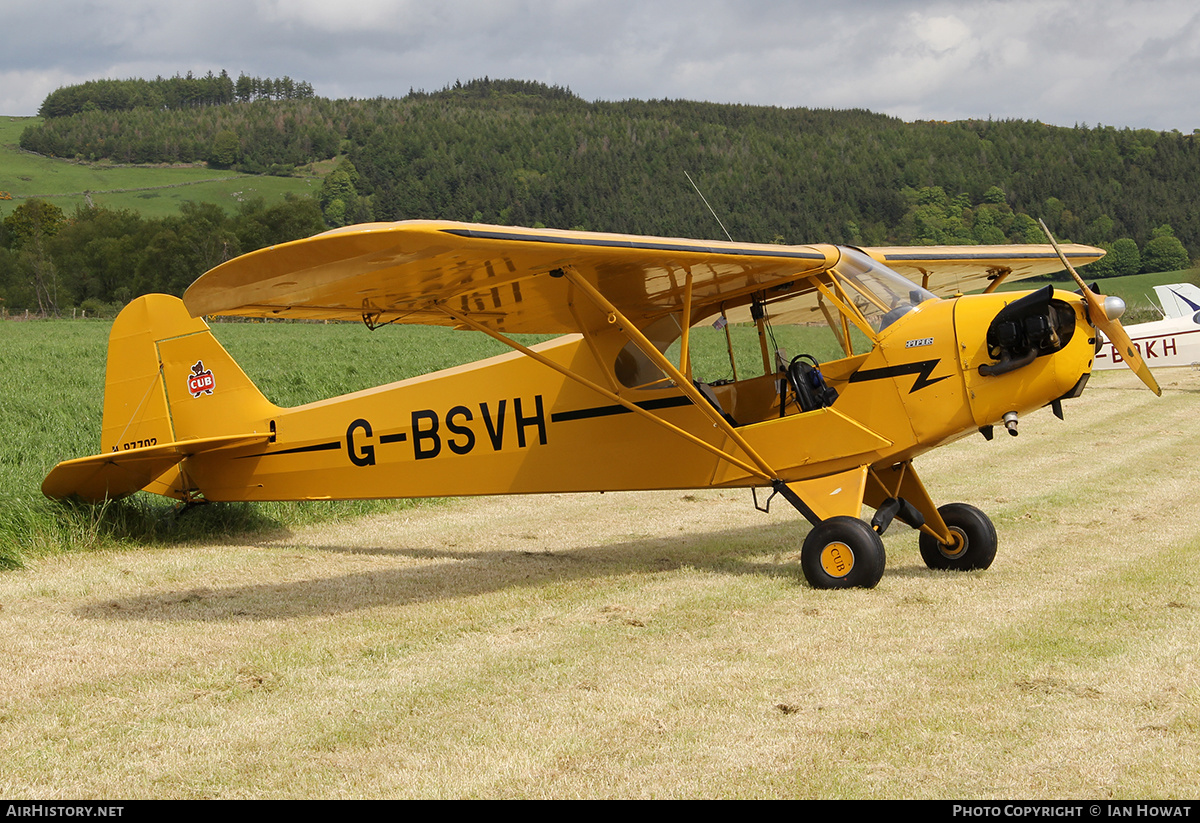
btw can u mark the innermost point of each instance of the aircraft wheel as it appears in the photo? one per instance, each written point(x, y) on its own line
point(842, 553)
point(974, 545)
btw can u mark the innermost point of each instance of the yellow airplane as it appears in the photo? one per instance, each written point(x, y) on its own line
point(613, 404)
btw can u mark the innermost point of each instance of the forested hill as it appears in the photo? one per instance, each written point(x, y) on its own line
point(178, 92)
point(523, 153)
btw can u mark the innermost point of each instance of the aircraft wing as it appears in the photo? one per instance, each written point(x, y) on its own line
point(504, 276)
point(948, 270)
point(501, 275)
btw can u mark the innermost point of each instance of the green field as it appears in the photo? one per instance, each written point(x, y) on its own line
point(607, 645)
point(618, 645)
point(149, 190)
point(51, 395)
point(1137, 290)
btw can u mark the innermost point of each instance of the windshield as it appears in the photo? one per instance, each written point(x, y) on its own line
point(878, 292)
point(805, 320)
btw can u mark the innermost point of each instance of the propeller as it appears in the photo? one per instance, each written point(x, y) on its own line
point(1104, 314)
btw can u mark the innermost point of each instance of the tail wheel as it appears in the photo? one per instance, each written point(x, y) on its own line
point(973, 545)
point(842, 553)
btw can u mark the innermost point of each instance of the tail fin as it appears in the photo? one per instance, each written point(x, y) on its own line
point(1178, 299)
point(168, 382)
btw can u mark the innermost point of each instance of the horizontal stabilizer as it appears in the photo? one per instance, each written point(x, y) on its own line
point(118, 474)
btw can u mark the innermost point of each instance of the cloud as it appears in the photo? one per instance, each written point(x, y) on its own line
point(1122, 62)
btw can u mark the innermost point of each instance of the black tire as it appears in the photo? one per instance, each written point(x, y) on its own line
point(972, 527)
point(842, 553)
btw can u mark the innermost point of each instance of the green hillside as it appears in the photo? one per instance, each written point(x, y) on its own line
point(519, 152)
point(153, 191)
point(173, 194)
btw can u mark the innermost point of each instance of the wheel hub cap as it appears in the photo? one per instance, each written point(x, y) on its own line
point(837, 559)
point(957, 546)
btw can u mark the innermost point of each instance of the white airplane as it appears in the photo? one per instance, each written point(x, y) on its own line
point(1178, 299)
point(1172, 341)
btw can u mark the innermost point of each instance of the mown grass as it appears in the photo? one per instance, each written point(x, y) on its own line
point(644, 645)
point(152, 191)
point(626, 645)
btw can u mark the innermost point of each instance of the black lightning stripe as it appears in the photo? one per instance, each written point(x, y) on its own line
point(921, 370)
point(605, 411)
point(319, 447)
point(324, 447)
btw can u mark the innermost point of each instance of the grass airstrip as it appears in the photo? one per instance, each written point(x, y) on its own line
point(618, 645)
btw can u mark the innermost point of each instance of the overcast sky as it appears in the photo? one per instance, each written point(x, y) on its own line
point(1129, 63)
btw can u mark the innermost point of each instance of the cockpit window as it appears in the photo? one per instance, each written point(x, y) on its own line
point(806, 315)
point(634, 369)
point(878, 292)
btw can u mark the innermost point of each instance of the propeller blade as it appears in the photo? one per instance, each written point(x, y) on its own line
point(1112, 329)
point(1117, 336)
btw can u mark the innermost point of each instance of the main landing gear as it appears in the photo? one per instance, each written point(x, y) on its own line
point(844, 552)
point(973, 545)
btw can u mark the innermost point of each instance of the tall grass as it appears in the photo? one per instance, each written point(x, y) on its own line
point(51, 397)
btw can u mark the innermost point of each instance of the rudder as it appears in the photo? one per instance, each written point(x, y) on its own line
point(169, 380)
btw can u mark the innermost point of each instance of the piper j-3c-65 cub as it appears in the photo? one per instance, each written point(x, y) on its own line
point(615, 403)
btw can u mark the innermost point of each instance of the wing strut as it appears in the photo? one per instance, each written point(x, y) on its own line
point(701, 404)
point(681, 381)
